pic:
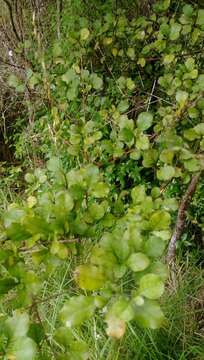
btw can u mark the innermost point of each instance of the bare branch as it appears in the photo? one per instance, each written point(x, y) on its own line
point(181, 218)
point(12, 19)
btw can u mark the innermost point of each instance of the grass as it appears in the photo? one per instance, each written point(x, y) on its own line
point(180, 339)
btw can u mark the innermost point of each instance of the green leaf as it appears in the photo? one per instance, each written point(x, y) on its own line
point(149, 315)
point(138, 262)
point(63, 202)
point(160, 220)
point(188, 10)
point(199, 129)
point(96, 211)
point(18, 324)
point(200, 18)
point(181, 97)
point(200, 82)
point(168, 59)
point(149, 158)
point(190, 64)
point(89, 277)
point(142, 142)
point(22, 348)
point(123, 106)
point(64, 336)
point(36, 332)
point(151, 286)
point(167, 156)
point(76, 310)
point(192, 165)
point(166, 173)
point(96, 81)
point(161, 6)
point(138, 194)
point(53, 164)
point(154, 246)
point(57, 49)
point(131, 53)
point(84, 34)
point(130, 84)
point(7, 284)
point(144, 121)
point(69, 76)
point(191, 134)
point(99, 190)
point(13, 81)
point(120, 309)
point(126, 135)
point(175, 31)
point(29, 178)
point(14, 214)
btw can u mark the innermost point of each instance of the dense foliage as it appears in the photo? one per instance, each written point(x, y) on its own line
point(116, 117)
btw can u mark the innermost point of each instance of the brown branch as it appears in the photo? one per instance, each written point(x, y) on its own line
point(181, 218)
point(12, 65)
point(12, 19)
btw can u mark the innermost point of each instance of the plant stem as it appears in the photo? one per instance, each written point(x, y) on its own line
point(180, 223)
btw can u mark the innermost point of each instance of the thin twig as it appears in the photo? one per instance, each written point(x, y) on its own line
point(151, 95)
point(181, 218)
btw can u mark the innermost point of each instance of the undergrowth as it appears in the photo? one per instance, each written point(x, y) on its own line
point(109, 138)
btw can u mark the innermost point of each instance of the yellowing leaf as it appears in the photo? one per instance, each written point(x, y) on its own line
point(116, 328)
point(131, 53)
point(168, 59)
point(32, 201)
point(160, 220)
point(89, 277)
point(84, 34)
